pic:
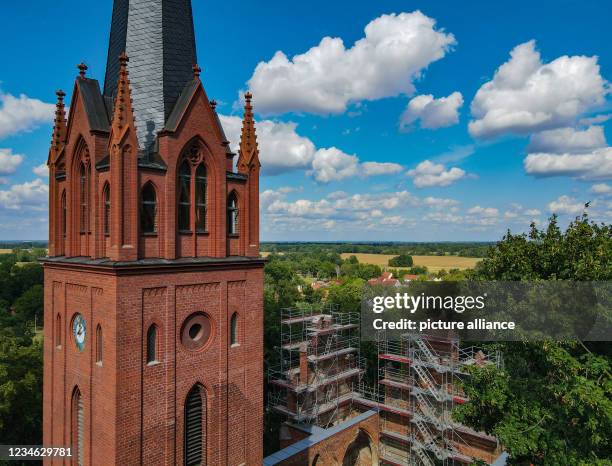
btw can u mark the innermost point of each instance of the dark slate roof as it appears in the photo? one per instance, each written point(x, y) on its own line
point(318, 434)
point(94, 104)
point(158, 36)
point(236, 177)
point(181, 105)
point(152, 161)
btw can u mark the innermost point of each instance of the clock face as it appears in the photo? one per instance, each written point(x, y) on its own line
point(79, 330)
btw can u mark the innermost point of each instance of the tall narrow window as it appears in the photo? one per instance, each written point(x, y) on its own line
point(201, 198)
point(152, 344)
point(83, 199)
point(234, 329)
point(194, 420)
point(148, 209)
point(99, 344)
point(64, 213)
point(107, 208)
point(184, 201)
point(232, 215)
point(78, 427)
point(58, 331)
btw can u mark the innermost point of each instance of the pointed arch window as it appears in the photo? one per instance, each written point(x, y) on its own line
point(83, 199)
point(78, 427)
point(184, 201)
point(232, 215)
point(64, 213)
point(200, 187)
point(152, 344)
point(194, 446)
point(148, 209)
point(107, 209)
point(234, 329)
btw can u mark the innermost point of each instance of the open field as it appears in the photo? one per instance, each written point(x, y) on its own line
point(433, 263)
point(5, 251)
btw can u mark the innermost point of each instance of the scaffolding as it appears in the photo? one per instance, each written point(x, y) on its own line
point(320, 365)
point(417, 389)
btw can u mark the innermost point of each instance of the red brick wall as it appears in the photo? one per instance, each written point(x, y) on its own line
point(126, 181)
point(134, 411)
point(331, 451)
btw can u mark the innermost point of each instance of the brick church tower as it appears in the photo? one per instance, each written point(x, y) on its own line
point(153, 286)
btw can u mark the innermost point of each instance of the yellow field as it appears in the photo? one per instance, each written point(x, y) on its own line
point(5, 251)
point(433, 263)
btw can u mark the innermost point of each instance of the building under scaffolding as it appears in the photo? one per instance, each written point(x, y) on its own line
point(319, 384)
point(417, 389)
point(320, 365)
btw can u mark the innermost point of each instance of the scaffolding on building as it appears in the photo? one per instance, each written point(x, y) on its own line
point(320, 365)
point(417, 389)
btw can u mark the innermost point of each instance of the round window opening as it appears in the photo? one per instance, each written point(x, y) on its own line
point(196, 331)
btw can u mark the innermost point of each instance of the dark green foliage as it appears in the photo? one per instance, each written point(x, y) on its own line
point(403, 260)
point(21, 300)
point(20, 391)
point(552, 402)
point(347, 295)
point(476, 249)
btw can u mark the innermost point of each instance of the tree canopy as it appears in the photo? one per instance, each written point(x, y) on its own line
point(551, 402)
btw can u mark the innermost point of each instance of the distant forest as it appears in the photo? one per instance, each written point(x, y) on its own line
point(464, 249)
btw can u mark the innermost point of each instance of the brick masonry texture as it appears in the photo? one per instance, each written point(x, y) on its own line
point(134, 409)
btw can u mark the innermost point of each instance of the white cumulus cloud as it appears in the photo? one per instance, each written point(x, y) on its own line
point(9, 161)
point(432, 113)
point(593, 165)
point(328, 77)
point(41, 170)
point(601, 189)
point(427, 174)
point(281, 148)
point(566, 205)
point(568, 140)
point(528, 95)
point(22, 113)
point(32, 194)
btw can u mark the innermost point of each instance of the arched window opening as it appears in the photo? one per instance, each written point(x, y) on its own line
point(184, 201)
point(232, 215)
point(201, 198)
point(195, 453)
point(78, 427)
point(315, 462)
point(84, 195)
point(58, 331)
point(64, 213)
point(99, 344)
point(234, 329)
point(107, 207)
point(152, 344)
point(148, 209)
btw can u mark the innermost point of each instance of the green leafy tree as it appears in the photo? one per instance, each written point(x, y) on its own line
point(403, 260)
point(20, 391)
point(29, 306)
point(347, 295)
point(551, 404)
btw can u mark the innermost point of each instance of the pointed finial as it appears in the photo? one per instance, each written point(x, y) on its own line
point(248, 152)
point(196, 71)
point(123, 59)
point(213, 104)
point(59, 126)
point(82, 69)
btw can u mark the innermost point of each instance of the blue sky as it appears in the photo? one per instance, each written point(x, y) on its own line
point(410, 131)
